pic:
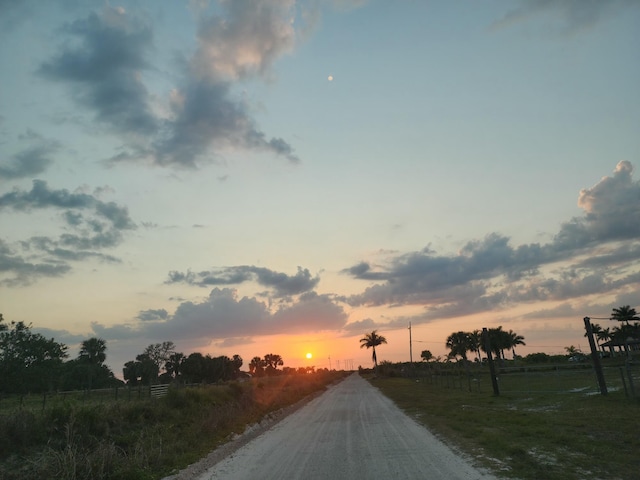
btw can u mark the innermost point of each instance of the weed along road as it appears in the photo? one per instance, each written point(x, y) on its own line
point(352, 431)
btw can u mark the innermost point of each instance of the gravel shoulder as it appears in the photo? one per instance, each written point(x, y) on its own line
point(349, 431)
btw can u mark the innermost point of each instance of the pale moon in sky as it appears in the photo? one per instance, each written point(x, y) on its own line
point(330, 78)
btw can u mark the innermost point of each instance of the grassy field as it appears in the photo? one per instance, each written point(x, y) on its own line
point(529, 431)
point(138, 438)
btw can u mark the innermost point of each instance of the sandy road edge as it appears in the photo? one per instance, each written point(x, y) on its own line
point(251, 431)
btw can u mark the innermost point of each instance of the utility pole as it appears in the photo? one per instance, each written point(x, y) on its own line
point(329, 363)
point(410, 346)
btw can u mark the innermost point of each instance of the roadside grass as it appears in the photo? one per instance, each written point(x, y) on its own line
point(140, 439)
point(552, 435)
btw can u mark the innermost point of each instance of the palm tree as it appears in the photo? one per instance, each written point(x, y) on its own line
point(272, 361)
point(475, 343)
point(604, 335)
point(256, 366)
point(624, 314)
point(93, 351)
point(372, 340)
point(499, 341)
point(92, 355)
point(571, 350)
point(596, 330)
point(515, 339)
point(426, 355)
point(459, 344)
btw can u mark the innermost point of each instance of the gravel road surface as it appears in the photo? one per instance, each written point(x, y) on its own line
point(352, 431)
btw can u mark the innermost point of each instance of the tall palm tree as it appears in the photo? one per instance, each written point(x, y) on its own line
point(475, 343)
point(459, 343)
point(499, 341)
point(624, 314)
point(93, 351)
point(515, 339)
point(92, 355)
point(372, 340)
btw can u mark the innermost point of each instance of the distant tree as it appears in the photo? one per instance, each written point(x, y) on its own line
point(604, 335)
point(624, 314)
point(173, 366)
point(29, 362)
point(159, 353)
point(426, 355)
point(475, 343)
point(515, 339)
point(372, 340)
point(571, 350)
point(499, 341)
point(236, 365)
point(91, 358)
point(272, 362)
point(537, 358)
point(193, 368)
point(218, 369)
point(143, 370)
point(459, 343)
point(131, 372)
point(256, 366)
point(93, 350)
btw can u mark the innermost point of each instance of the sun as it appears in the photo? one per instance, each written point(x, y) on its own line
point(309, 355)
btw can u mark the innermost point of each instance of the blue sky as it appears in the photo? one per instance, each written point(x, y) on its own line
point(284, 176)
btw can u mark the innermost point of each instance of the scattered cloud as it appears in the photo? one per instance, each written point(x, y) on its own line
point(89, 225)
point(282, 284)
point(106, 68)
point(574, 14)
point(108, 64)
point(32, 160)
point(24, 272)
point(489, 274)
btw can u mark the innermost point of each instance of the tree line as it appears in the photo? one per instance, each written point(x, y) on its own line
point(499, 341)
point(32, 363)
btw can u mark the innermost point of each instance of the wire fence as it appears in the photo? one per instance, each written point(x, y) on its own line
point(620, 375)
point(96, 396)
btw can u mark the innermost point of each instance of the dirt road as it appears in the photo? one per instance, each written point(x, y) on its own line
point(352, 431)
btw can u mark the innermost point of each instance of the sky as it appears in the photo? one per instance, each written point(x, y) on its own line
point(284, 176)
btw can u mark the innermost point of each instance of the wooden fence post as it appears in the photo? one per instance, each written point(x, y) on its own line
point(595, 355)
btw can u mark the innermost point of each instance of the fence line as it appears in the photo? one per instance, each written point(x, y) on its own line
point(528, 379)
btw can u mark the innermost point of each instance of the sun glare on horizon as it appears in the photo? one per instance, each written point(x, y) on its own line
point(309, 355)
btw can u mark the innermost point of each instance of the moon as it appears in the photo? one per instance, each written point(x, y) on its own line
point(309, 355)
point(330, 78)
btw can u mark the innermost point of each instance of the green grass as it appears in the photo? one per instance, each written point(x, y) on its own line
point(529, 433)
point(140, 438)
